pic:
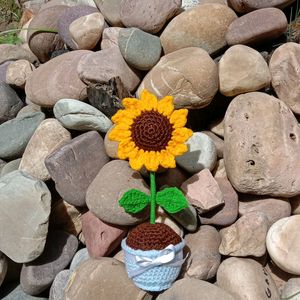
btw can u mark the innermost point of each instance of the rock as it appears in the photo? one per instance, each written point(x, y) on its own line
point(56, 79)
point(16, 133)
point(9, 52)
point(202, 191)
point(111, 11)
point(190, 288)
point(241, 70)
point(74, 166)
point(110, 37)
point(103, 194)
point(291, 289)
point(11, 166)
point(201, 154)
point(246, 279)
point(187, 4)
point(204, 258)
point(187, 218)
point(104, 278)
point(28, 109)
point(149, 17)
point(68, 3)
point(219, 143)
point(214, 20)
point(295, 205)
point(111, 147)
point(171, 177)
point(140, 49)
point(27, 200)
point(284, 63)
point(283, 244)
point(67, 17)
point(77, 115)
point(219, 171)
point(258, 26)
point(255, 126)
point(246, 237)
point(217, 127)
point(101, 238)
point(189, 75)
point(3, 267)
point(3, 69)
point(48, 136)
point(57, 290)
point(273, 208)
point(2, 165)
point(13, 291)
point(80, 256)
point(38, 275)
point(10, 103)
point(86, 31)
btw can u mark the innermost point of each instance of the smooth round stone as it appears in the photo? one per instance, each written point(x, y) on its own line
point(217, 127)
point(10, 103)
point(68, 3)
point(16, 133)
point(11, 166)
point(219, 171)
point(28, 109)
point(77, 115)
point(13, 291)
point(241, 70)
point(257, 26)
point(148, 16)
point(110, 36)
point(189, 75)
point(38, 275)
point(3, 70)
point(140, 49)
point(187, 4)
point(201, 154)
point(283, 244)
point(2, 165)
point(81, 256)
point(3, 267)
point(111, 147)
point(104, 193)
point(110, 10)
point(9, 52)
point(219, 143)
point(291, 289)
point(187, 218)
point(183, 31)
point(57, 290)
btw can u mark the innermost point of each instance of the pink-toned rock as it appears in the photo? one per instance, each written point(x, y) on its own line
point(219, 170)
point(110, 37)
point(110, 10)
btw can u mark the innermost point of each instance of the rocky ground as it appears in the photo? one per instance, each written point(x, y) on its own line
point(234, 65)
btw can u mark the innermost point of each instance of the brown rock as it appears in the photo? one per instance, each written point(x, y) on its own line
point(111, 11)
point(219, 170)
point(18, 72)
point(172, 177)
point(110, 37)
point(295, 204)
point(219, 143)
point(217, 127)
point(10, 52)
point(111, 147)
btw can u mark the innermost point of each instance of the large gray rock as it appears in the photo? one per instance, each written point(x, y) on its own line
point(57, 290)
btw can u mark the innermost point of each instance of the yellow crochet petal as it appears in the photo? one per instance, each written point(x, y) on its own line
point(137, 162)
point(124, 116)
point(151, 160)
point(165, 106)
point(127, 149)
point(177, 148)
point(148, 101)
point(166, 159)
point(181, 135)
point(130, 102)
point(178, 118)
point(118, 134)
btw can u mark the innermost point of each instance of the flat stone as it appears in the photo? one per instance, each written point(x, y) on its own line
point(77, 115)
point(38, 275)
point(74, 166)
point(11, 166)
point(3, 267)
point(111, 147)
point(103, 194)
point(57, 290)
point(201, 154)
point(80, 256)
point(140, 49)
point(110, 36)
point(241, 70)
point(56, 79)
point(213, 19)
point(255, 126)
point(9, 52)
point(219, 143)
point(189, 75)
point(27, 200)
point(111, 11)
point(246, 279)
point(187, 4)
point(258, 26)
point(291, 289)
point(13, 291)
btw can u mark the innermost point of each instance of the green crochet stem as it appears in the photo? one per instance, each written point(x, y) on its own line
point(153, 198)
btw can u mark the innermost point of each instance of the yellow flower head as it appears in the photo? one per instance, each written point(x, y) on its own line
point(150, 132)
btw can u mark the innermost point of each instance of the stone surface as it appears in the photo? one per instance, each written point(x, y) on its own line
point(171, 177)
point(241, 70)
point(27, 200)
point(48, 136)
point(183, 31)
point(103, 194)
point(9, 52)
point(140, 49)
point(283, 244)
point(246, 279)
point(187, 4)
point(146, 16)
point(187, 218)
point(189, 75)
point(291, 289)
point(101, 66)
point(202, 191)
point(219, 143)
point(74, 166)
point(110, 37)
point(77, 115)
point(217, 127)
point(2, 165)
point(219, 170)
point(3, 267)
point(201, 154)
point(11, 166)
point(28, 109)
point(295, 205)
point(80, 256)
point(258, 130)
point(257, 26)
point(111, 147)
point(56, 79)
point(38, 275)
point(110, 10)
point(13, 291)
point(57, 290)
point(3, 70)
point(284, 64)
point(10, 103)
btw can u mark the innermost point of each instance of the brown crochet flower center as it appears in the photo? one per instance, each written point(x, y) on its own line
point(151, 131)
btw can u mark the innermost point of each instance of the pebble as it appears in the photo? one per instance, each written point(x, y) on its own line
point(13, 291)
point(27, 200)
point(103, 194)
point(80, 256)
point(189, 75)
point(140, 49)
point(77, 115)
point(291, 289)
point(283, 244)
point(111, 11)
point(10, 103)
point(110, 36)
point(241, 70)
point(219, 143)
point(18, 72)
point(201, 154)
point(74, 166)
point(57, 290)
point(245, 278)
point(187, 4)
point(11, 166)
point(2, 165)
point(149, 17)
point(3, 69)
point(28, 109)
point(219, 170)
point(255, 126)
point(183, 31)
point(48, 136)
point(38, 275)
point(258, 26)
point(3, 267)
point(9, 52)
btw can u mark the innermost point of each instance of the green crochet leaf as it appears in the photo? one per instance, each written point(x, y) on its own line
point(133, 201)
point(171, 199)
